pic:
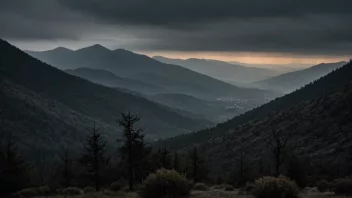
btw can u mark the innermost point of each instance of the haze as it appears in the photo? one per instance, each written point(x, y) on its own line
point(266, 32)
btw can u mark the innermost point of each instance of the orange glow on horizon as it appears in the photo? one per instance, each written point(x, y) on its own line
point(249, 57)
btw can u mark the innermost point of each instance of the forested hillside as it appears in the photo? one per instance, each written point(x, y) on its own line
point(324, 85)
point(318, 134)
point(167, 78)
point(291, 81)
point(101, 103)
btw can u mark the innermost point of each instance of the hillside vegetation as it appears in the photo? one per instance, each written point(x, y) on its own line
point(96, 101)
point(291, 81)
point(324, 85)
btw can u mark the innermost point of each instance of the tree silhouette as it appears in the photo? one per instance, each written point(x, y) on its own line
point(164, 155)
point(133, 140)
point(197, 163)
point(176, 162)
point(94, 156)
point(67, 162)
point(13, 169)
point(278, 143)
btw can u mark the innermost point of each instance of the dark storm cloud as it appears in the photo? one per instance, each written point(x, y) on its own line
point(170, 12)
point(289, 26)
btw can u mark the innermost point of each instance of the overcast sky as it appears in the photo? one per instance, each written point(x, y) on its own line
point(257, 31)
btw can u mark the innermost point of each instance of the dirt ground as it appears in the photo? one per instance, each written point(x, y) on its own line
point(197, 194)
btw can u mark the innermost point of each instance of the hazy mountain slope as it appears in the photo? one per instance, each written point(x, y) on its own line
point(216, 111)
point(289, 82)
point(319, 130)
point(172, 78)
point(232, 73)
point(111, 80)
point(90, 99)
point(324, 85)
point(39, 123)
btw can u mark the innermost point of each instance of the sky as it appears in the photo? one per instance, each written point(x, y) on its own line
point(250, 31)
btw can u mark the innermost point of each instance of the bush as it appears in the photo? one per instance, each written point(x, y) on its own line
point(116, 186)
point(343, 186)
point(224, 187)
point(249, 188)
point(28, 192)
point(323, 185)
point(272, 187)
point(109, 193)
point(89, 189)
point(43, 190)
point(164, 183)
point(125, 189)
point(228, 188)
point(190, 184)
point(200, 187)
point(71, 191)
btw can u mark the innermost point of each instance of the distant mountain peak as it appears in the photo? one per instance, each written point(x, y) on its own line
point(124, 51)
point(95, 48)
point(62, 49)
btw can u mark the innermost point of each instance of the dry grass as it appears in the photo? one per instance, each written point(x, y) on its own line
point(212, 193)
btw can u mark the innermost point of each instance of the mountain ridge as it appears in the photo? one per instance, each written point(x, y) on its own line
point(96, 101)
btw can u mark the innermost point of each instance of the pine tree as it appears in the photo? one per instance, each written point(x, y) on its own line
point(132, 148)
point(94, 156)
point(13, 169)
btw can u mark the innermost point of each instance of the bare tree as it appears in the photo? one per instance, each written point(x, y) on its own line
point(66, 160)
point(197, 163)
point(278, 142)
point(164, 157)
point(176, 162)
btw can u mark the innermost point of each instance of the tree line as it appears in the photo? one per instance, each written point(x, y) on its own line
point(133, 161)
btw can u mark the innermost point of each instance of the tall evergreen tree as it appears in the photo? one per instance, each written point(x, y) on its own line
point(93, 156)
point(13, 169)
point(133, 142)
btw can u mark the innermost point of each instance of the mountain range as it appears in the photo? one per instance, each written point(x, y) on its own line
point(316, 119)
point(58, 105)
point(333, 81)
point(167, 78)
point(291, 81)
point(232, 73)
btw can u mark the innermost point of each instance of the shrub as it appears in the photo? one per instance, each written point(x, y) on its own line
point(28, 192)
point(323, 185)
point(228, 188)
point(343, 186)
point(224, 187)
point(249, 188)
point(190, 184)
point(89, 189)
point(200, 187)
point(71, 191)
point(272, 187)
point(218, 187)
point(43, 190)
point(125, 189)
point(116, 186)
point(165, 183)
point(109, 193)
